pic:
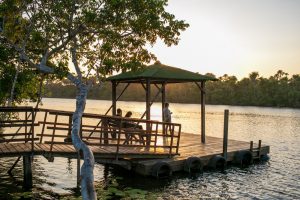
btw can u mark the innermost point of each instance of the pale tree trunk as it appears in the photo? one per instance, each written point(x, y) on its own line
point(87, 170)
point(87, 174)
point(12, 91)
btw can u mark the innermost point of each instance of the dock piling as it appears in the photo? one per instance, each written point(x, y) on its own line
point(225, 137)
point(27, 183)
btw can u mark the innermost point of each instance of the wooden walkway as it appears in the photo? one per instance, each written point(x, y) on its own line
point(147, 147)
point(139, 159)
point(191, 146)
point(108, 137)
point(68, 151)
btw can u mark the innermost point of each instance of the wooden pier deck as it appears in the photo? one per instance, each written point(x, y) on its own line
point(139, 159)
point(191, 146)
point(68, 151)
point(144, 146)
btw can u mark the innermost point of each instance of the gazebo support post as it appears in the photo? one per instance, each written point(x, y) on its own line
point(163, 100)
point(114, 98)
point(148, 101)
point(148, 107)
point(203, 112)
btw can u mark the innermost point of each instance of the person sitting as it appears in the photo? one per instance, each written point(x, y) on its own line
point(128, 114)
point(115, 123)
point(133, 125)
point(129, 124)
point(119, 112)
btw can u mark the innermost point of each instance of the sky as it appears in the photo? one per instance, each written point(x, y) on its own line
point(235, 37)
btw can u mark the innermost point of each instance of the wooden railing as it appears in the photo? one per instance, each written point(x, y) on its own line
point(21, 122)
point(112, 132)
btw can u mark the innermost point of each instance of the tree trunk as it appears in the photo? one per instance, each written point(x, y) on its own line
point(87, 174)
point(12, 91)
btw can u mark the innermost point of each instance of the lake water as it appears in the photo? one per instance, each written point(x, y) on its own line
point(277, 179)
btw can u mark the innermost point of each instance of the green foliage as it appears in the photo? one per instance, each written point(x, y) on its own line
point(108, 35)
point(26, 87)
point(21, 195)
point(276, 91)
point(112, 190)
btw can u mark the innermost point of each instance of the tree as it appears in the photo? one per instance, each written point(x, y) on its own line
point(95, 36)
point(17, 83)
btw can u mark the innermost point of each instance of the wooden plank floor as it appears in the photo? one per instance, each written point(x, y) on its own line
point(67, 150)
point(191, 146)
point(142, 158)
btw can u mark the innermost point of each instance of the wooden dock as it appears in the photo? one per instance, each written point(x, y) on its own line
point(191, 146)
point(144, 146)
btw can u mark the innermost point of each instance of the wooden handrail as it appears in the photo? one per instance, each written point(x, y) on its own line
point(128, 137)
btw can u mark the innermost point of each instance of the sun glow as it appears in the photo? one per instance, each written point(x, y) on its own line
point(235, 37)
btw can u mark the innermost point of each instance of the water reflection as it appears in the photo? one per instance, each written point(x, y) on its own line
point(276, 179)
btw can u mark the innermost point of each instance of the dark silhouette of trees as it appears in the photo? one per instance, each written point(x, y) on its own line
point(277, 91)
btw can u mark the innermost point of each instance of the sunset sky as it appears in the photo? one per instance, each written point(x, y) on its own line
point(236, 37)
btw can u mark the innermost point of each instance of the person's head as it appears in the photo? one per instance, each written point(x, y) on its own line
point(128, 114)
point(119, 112)
point(166, 105)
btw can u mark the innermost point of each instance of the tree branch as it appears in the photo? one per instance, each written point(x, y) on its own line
point(74, 59)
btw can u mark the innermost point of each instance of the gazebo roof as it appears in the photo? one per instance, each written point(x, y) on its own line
point(159, 73)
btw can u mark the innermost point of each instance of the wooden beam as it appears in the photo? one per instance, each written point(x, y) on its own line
point(145, 87)
point(114, 98)
point(148, 101)
point(148, 106)
point(152, 101)
point(203, 112)
point(157, 86)
point(225, 136)
point(117, 97)
point(163, 99)
point(125, 88)
point(200, 87)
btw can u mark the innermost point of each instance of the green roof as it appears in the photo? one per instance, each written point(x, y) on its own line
point(159, 73)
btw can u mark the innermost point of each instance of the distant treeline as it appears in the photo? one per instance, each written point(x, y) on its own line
point(276, 91)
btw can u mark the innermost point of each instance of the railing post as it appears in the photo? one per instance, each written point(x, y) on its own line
point(225, 137)
point(259, 148)
point(118, 141)
point(26, 122)
point(178, 139)
point(69, 137)
point(44, 125)
point(155, 140)
point(32, 130)
point(251, 146)
point(105, 130)
point(172, 137)
point(50, 159)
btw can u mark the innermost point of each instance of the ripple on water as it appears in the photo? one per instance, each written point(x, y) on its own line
point(277, 179)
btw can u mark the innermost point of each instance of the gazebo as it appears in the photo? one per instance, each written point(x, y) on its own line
point(159, 75)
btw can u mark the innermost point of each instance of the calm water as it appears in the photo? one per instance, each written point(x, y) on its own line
point(277, 179)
